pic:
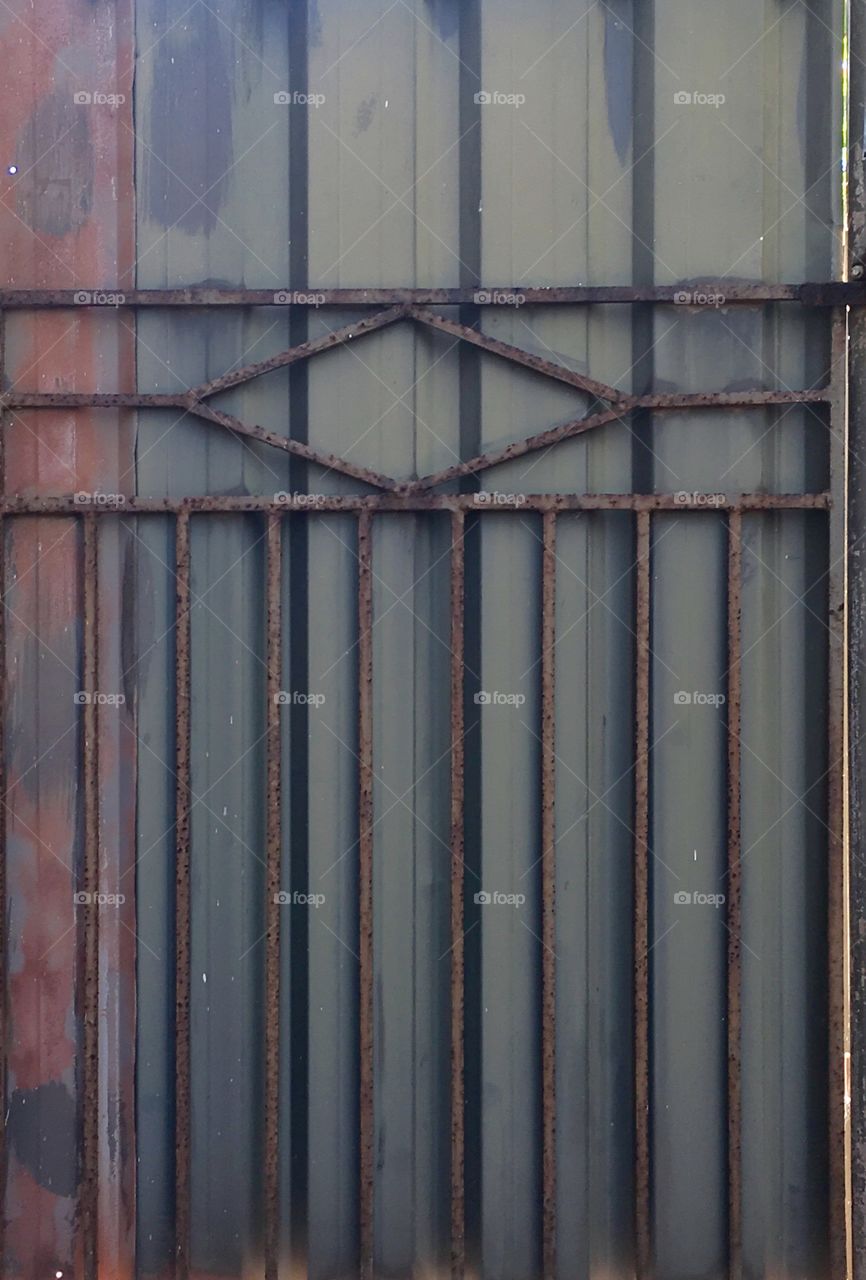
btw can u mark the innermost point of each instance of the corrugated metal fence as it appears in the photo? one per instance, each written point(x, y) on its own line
point(423, 640)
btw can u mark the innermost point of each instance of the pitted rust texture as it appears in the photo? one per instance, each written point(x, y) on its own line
point(365, 885)
point(641, 900)
point(548, 892)
point(89, 1188)
point(734, 895)
point(182, 838)
point(458, 996)
point(839, 1022)
point(814, 294)
point(272, 907)
point(66, 506)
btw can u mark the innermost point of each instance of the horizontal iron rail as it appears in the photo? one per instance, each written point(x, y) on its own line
point(701, 293)
point(687, 503)
point(756, 397)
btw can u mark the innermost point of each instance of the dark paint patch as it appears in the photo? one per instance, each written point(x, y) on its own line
point(445, 17)
point(618, 78)
point(364, 114)
point(55, 159)
point(189, 151)
point(42, 1129)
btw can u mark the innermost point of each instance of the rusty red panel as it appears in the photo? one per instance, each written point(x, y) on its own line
point(66, 216)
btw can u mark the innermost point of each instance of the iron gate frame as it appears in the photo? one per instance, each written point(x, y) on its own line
point(607, 405)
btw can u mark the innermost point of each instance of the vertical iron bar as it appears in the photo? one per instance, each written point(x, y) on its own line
point(4, 940)
point(272, 908)
point(365, 884)
point(641, 899)
point(548, 892)
point(853, 416)
point(458, 1135)
point(182, 897)
point(838, 886)
point(90, 1146)
point(734, 914)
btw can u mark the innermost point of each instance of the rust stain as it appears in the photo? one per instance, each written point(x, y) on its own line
point(66, 216)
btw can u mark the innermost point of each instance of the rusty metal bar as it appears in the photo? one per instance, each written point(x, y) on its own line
point(274, 845)
point(643, 1241)
point(319, 503)
point(750, 399)
point(193, 399)
point(458, 757)
point(4, 936)
point(13, 399)
point(89, 1190)
point(303, 351)
point(548, 892)
point(838, 928)
point(329, 461)
point(734, 912)
point(852, 413)
point(365, 883)
point(516, 355)
point(182, 896)
point(811, 294)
